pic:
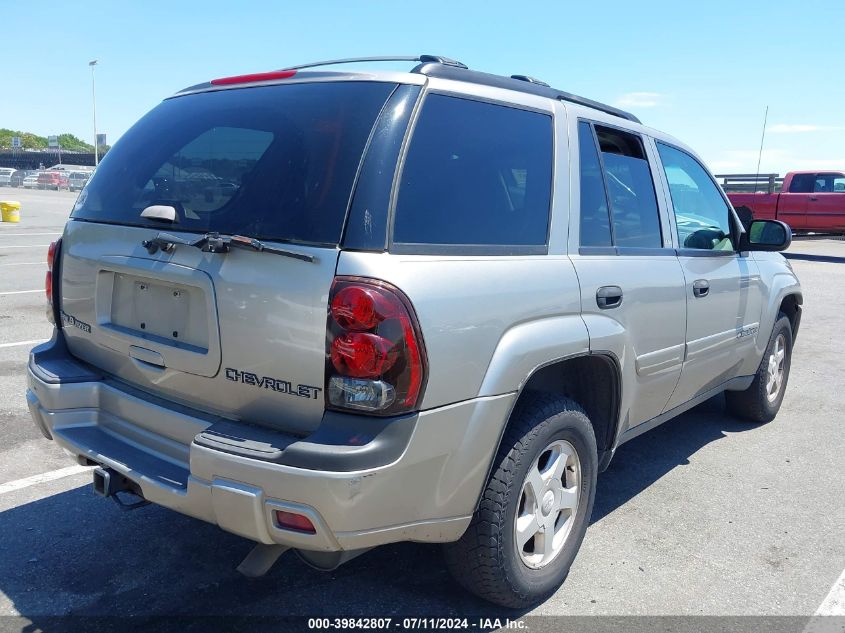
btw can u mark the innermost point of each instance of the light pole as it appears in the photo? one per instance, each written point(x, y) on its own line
point(93, 63)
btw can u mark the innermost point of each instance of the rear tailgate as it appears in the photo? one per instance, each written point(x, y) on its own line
point(239, 333)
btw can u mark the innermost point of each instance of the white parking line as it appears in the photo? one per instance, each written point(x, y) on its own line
point(20, 343)
point(27, 246)
point(21, 292)
point(18, 484)
point(25, 264)
point(834, 603)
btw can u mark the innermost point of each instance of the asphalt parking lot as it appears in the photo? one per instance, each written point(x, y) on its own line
point(703, 515)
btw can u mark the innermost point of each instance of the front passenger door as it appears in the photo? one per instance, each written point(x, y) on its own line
point(723, 293)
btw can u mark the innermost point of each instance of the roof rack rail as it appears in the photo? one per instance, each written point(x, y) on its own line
point(424, 59)
point(520, 83)
point(530, 79)
point(447, 68)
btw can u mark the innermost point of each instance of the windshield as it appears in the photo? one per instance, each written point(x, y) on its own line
point(273, 162)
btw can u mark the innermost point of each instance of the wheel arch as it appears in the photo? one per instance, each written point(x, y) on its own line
point(790, 305)
point(591, 379)
point(783, 294)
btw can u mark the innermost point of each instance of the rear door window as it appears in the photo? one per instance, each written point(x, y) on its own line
point(273, 162)
point(630, 187)
point(476, 174)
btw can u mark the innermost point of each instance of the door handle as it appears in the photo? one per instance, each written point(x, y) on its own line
point(700, 287)
point(813, 199)
point(608, 297)
point(147, 356)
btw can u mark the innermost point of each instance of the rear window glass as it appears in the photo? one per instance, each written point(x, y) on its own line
point(802, 183)
point(476, 174)
point(274, 162)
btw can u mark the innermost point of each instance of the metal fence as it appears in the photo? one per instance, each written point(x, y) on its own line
point(750, 183)
point(44, 159)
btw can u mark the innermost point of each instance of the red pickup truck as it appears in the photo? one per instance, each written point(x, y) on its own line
point(808, 201)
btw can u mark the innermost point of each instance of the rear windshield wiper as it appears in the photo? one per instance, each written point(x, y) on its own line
point(216, 243)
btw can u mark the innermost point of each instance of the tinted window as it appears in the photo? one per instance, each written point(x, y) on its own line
point(829, 183)
point(476, 173)
point(275, 162)
point(366, 228)
point(595, 223)
point(633, 203)
point(802, 183)
point(701, 213)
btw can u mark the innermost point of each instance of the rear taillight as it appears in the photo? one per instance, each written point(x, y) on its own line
point(52, 253)
point(375, 359)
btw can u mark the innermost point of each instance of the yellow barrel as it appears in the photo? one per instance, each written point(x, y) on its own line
point(10, 210)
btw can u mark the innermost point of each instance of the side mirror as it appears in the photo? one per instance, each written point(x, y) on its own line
point(766, 235)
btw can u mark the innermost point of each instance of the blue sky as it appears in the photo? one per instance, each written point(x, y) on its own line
point(702, 71)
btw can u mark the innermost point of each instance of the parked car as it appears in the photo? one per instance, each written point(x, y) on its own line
point(77, 180)
point(17, 178)
point(5, 175)
point(432, 308)
point(809, 201)
point(30, 181)
point(53, 180)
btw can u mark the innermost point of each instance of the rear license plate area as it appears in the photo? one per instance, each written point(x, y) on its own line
point(159, 311)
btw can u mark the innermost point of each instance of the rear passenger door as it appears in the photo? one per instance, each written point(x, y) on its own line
point(632, 287)
point(723, 291)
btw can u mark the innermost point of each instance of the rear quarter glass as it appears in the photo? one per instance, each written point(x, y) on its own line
point(476, 174)
point(272, 162)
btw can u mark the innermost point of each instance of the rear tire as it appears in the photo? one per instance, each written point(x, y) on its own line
point(761, 401)
point(550, 447)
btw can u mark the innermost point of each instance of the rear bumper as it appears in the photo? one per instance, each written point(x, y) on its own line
point(414, 478)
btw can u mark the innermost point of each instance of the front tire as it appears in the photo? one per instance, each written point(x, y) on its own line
point(761, 401)
point(535, 509)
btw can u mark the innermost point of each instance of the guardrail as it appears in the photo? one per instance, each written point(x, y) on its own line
point(750, 183)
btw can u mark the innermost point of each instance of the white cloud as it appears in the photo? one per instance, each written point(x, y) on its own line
point(745, 161)
point(775, 160)
point(800, 128)
point(641, 100)
point(823, 163)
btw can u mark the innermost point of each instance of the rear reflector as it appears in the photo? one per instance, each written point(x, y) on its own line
point(291, 521)
point(246, 79)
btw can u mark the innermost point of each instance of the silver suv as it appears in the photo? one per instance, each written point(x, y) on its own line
point(332, 310)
